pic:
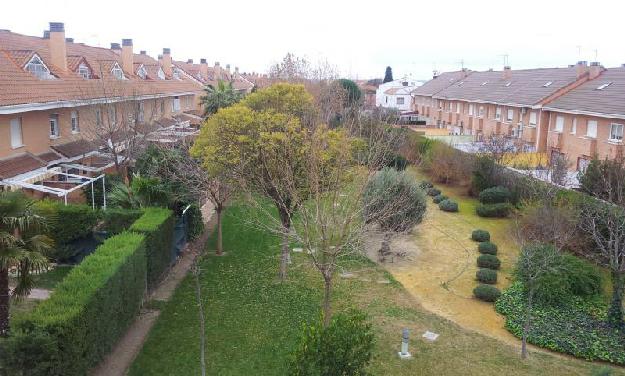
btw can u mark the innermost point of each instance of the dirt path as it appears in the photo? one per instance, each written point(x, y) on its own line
point(125, 351)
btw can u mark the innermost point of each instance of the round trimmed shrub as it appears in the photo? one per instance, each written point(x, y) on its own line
point(448, 206)
point(424, 184)
point(486, 293)
point(486, 276)
point(440, 198)
point(480, 235)
point(501, 210)
point(495, 195)
point(487, 248)
point(488, 261)
point(433, 192)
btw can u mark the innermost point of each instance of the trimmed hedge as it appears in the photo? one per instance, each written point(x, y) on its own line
point(576, 328)
point(494, 210)
point(495, 195)
point(488, 261)
point(89, 311)
point(433, 192)
point(424, 184)
point(158, 226)
point(480, 235)
point(118, 220)
point(486, 293)
point(195, 223)
point(487, 248)
point(438, 199)
point(448, 206)
point(486, 276)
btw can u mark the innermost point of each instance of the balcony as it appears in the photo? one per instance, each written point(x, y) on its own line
point(589, 145)
point(529, 134)
point(480, 124)
point(555, 140)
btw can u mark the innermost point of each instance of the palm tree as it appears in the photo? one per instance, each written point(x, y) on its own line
point(22, 247)
point(222, 96)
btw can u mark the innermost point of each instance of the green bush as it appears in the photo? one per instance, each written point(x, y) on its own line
point(438, 199)
point(583, 278)
point(487, 248)
point(488, 261)
point(576, 327)
point(495, 195)
point(397, 162)
point(91, 308)
point(118, 220)
point(486, 276)
point(110, 180)
point(345, 347)
point(480, 235)
point(424, 184)
point(158, 226)
point(433, 192)
point(195, 223)
point(494, 210)
point(486, 293)
point(448, 206)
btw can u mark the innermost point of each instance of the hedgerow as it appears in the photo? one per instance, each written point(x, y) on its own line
point(500, 210)
point(438, 199)
point(495, 195)
point(433, 192)
point(480, 235)
point(487, 248)
point(487, 293)
point(488, 261)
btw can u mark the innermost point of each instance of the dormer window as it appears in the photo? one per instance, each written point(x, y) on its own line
point(38, 68)
point(84, 71)
point(484, 83)
point(508, 84)
point(604, 86)
point(117, 72)
point(548, 83)
point(176, 73)
point(141, 72)
point(161, 74)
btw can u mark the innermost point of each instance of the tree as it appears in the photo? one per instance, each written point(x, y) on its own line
point(394, 201)
point(353, 92)
point(388, 75)
point(23, 246)
point(292, 69)
point(218, 97)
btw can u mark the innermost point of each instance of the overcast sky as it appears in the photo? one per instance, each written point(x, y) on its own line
point(359, 37)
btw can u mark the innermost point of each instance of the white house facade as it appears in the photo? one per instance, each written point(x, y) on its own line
point(396, 94)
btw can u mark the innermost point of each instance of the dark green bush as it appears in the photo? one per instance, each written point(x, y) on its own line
point(91, 308)
point(583, 278)
point(495, 195)
point(397, 162)
point(195, 222)
point(486, 276)
point(486, 293)
point(433, 192)
point(424, 184)
point(487, 248)
point(345, 347)
point(480, 235)
point(438, 199)
point(576, 327)
point(158, 226)
point(488, 261)
point(118, 220)
point(110, 180)
point(494, 210)
point(448, 206)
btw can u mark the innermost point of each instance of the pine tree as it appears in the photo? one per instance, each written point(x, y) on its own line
point(388, 76)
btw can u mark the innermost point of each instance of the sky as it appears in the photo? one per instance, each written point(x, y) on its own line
point(359, 38)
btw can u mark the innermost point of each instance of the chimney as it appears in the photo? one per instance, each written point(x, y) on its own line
point(507, 72)
point(189, 61)
point(142, 52)
point(581, 68)
point(203, 68)
point(217, 71)
point(236, 72)
point(46, 34)
point(166, 62)
point(116, 48)
point(58, 51)
point(127, 56)
point(228, 69)
point(594, 70)
point(69, 40)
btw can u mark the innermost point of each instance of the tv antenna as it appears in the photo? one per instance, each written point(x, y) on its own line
point(461, 62)
point(505, 59)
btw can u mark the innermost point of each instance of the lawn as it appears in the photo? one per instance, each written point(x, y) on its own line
point(253, 321)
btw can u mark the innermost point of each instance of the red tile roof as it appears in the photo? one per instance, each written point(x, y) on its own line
point(19, 164)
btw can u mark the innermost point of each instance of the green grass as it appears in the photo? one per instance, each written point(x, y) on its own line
point(253, 321)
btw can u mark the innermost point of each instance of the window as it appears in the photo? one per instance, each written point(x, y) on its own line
point(480, 111)
point(75, 123)
point(484, 83)
point(98, 117)
point(471, 109)
point(117, 72)
point(405, 83)
point(574, 126)
point(548, 83)
point(38, 68)
point(400, 100)
point(176, 73)
point(459, 107)
point(16, 133)
point(440, 104)
point(604, 86)
point(141, 72)
point(533, 118)
point(84, 71)
point(112, 113)
point(140, 112)
point(591, 129)
point(161, 74)
point(54, 126)
point(498, 113)
point(510, 115)
point(175, 105)
point(559, 124)
point(616, 132)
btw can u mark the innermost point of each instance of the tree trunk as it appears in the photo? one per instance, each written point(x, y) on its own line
point(220, 246)
point(4, 302)
point(526, 327)
point(615, 312)
point(385, 249)
point(327, 295)
point(285, 257)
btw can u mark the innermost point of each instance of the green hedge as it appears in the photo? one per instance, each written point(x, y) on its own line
point(486, 276)
point(487, 293)
point(448, 206)
point(195, 223)
point(487, 248)
point(494, 210)
point(88, 312)
point(158, 226)
point(433, 192)
point(438, 199)
point(577, 328)
point(480, 235)
point(495, 195)
point(117, 220)
point(488, 261)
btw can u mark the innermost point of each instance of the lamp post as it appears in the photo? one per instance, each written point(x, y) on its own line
point(404, 354)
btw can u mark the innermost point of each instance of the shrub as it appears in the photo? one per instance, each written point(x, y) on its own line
point(583, 278)
point(343, 348)
point(438, 199)
point(433, 192)
point(195, 222)
point(90, 309)
point(158, 226)
point(486, 276)
point(495, 195)
point(576, 327)
point(494, 210)
point(480, 235)
point(448, 206)
point(488, 261)
point(118, 220)
point(397, 162)
point(487, 248)
point(424, 184)
point(486, 293)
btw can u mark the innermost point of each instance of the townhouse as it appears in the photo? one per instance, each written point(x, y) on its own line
point(396, 94)
point(423, 102)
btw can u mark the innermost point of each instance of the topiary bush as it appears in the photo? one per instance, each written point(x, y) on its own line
point(433, 192)
point(488, 276)
point(501, 210)
point(487, 248)
point(486, 293)
point(495, 195)
point(488, 261)
point(438, 199)
point(424, 184)
point(118, 220)
point(480, 235)
point(448, 206)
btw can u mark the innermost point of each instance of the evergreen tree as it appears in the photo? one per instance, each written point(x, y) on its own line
point(388, 76)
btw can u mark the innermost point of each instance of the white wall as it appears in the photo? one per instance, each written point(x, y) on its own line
point(406, 85)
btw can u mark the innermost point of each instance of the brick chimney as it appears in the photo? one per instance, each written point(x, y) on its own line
point(236, 72)
point(203, 68)
point(69, 40)
point(166, 62)
point(217, 69)
point(116, 48)
point(46, 34)
point(58, 50)
point(142, 52)
point(581, 68)
point(127, 56)
point(228, 69)
point(189, 61)
point(594, 70)
point(507, 72)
